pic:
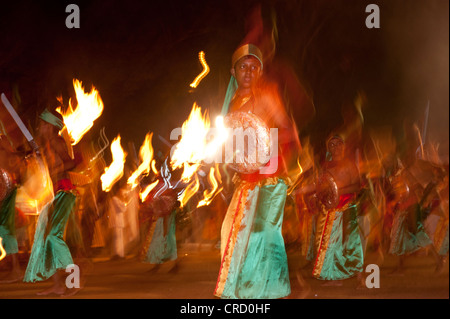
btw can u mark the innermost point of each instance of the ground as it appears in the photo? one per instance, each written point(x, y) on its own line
point(195, 278)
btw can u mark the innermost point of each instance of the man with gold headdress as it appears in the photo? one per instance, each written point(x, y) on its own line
point(50, 254)
point(254, 261)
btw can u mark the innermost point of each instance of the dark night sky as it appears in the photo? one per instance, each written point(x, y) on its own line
point(142, 56)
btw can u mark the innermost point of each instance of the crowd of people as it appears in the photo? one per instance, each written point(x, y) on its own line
point(345, 205)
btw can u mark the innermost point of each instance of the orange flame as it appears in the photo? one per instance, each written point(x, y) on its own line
point(154, 169)
point(114, 172)
point(143, 195)
point(2, 250)
point(201, 57)
point(189, 191)
point(297, 177)
point(189, 152)
point(214, 145)
point(208, 196)
point(146, 155)
point(88, 109)
point(193, 147)
point(37, 189)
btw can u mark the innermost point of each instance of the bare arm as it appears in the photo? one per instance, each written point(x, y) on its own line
point(354, 184)
point(59, 147)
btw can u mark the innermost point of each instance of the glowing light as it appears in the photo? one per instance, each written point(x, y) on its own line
point(201, 57)
point(154, 169)
point(208, 196)
point(189, 151)
point(194, 149)
point(298, 177)
point(37, 189)
point(213, 146)
point(2, 250)
point(146, 155)
point(143, 195)
point(114, 172)
point(189, 191)
point(89, 107)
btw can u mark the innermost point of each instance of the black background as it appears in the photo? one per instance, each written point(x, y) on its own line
point(142, 56)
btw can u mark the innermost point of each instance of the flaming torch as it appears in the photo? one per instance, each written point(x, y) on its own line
point(146, 154)
point(78, 121)
point(114, 172)
point(2, 250)
point(193, 149)
point(208, 196)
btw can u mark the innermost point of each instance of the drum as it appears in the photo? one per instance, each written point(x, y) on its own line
point(400, 188)
point(6, 184)
point(249, 145)
point(327, 191)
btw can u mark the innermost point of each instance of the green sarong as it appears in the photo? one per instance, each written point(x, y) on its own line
point(50, 253)
point(8, 224)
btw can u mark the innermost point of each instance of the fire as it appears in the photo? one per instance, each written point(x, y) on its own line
point(194, 146)
point(114, 172)
point(201, 57)
point(297, 177)
point(154, 169)
point(193, 149)
point(79, 121)
point(2, 250)
point(143, 195)
point(189, 191)
point(208, 196)
point(189, 152)
point(212, 148)
point(146, 155)
point(37, 189)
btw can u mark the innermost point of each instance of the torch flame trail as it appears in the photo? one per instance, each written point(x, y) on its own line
point(114, 172)
point(193, 149)
point(189, 191)
point(209, 195)
point(201, 57)
point(154, 169)
point(2, 250)
point(190, 149)
point(78, 121)
point(146, 155)
point(143, 195)
point(298, 177)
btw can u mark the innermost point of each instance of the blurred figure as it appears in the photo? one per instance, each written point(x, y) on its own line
point(117, 209)
point(254, 260)
point(339, 247)
point(132, 222)
point(308, 208)
point(9, 174)
point(90, 216)
point(50, 254)
point(160, 244)
point(213, 215)
point(440, 238)
point(415, 187)
point(123, 211)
